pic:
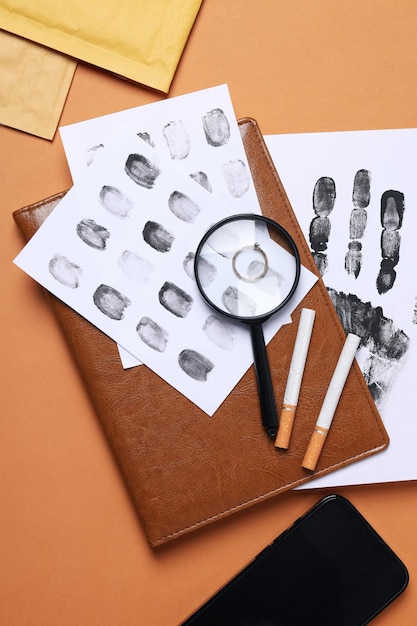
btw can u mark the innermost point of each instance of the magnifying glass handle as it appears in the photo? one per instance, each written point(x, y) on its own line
point(263, 377)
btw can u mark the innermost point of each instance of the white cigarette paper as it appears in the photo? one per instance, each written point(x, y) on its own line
point(331, 401)
point(295, 376)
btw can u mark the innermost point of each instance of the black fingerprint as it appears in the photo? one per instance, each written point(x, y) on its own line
point(357, 223)
point(202, 179)
point(153, 335)
point(134, 267)
point(175, 300)
point(64, 271)
point(386, 277)
point(386, 343)
point(219, 332)
point(392, 213)
point(353, 258)
point(146, 137)
point(110, 302)
point(319, 233)
point(195, 365)
point(188, 264)
point(115, 202)
point(91, 153)
point(392, 210)
point(93, 234)
point(390, 245)
point(177, 139)
point(216, 128)
point(238, 303)
point(324, 197)
point(207, 272)
point(141, 170)
point(157, 236)
point(183, 207)
point(361, 197)
point(321, 261)
point(237, 177)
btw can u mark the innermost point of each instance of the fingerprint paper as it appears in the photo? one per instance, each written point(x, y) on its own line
point(119, 250)
point(355, 196)
point(198, 132)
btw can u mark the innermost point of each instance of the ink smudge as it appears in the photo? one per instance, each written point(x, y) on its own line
point(195, 365)
point(175, 300)
point(324, 197)
point(157, 237)
point(65, 272)
point(134, 267)
point(392, 212)
point(153, 335)
point(202, 179)
point(177, 139)
point(145, 136)
point(415, 311)
point(216, 128)
point(93, 234)
point(237, 177)
point(219, 332)
point(110, 302)
point(361, 197)
point(115, 202)
point(238, 303)
point(141, 170)
point(183, 207)
point(386, 344)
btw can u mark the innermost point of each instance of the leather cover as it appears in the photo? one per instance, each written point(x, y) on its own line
point(184, 469)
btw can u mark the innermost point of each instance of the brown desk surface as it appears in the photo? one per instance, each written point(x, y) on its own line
point(72, 549)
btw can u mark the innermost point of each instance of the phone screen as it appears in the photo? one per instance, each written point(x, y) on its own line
point(329, 568)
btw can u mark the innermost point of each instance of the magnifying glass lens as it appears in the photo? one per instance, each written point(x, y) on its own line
point(247, 267)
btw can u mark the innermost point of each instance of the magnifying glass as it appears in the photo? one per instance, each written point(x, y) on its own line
point(247, 267)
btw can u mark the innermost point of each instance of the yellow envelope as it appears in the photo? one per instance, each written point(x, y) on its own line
point(141, 40)
point(34, 83)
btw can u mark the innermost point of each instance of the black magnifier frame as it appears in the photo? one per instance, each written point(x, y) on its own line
point(261, 363)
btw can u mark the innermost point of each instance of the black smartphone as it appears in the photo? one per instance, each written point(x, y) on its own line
point(329, 568)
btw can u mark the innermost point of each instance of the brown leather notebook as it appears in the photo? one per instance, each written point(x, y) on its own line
point(184, 469)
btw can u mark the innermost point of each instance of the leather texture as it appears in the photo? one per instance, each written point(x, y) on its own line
point(184, 469)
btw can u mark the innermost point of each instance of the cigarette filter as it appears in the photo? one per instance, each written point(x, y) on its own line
point(295, 375)
point(331, 401)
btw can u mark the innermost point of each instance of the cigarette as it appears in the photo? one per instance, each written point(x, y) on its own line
point(295, 375)
point(331, 401)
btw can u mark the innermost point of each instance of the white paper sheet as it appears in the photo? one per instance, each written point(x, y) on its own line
point(119, 250)
point(197, 131)
point(383, 165)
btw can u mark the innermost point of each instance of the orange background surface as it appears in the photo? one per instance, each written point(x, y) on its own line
point(72, 550)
